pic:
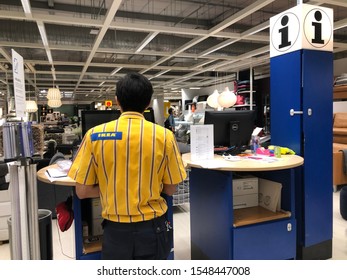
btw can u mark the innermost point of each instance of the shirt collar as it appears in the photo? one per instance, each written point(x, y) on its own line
point(132, 115)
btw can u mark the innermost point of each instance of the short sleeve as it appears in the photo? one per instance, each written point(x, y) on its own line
point(174, 171)
point(83, 169)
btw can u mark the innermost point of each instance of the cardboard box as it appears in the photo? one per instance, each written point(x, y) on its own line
point(96, 228)
point(243, 201)
point(243, 186)
point(96, 208)
point(245, 192)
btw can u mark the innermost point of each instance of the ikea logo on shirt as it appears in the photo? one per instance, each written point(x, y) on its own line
point(106, 136)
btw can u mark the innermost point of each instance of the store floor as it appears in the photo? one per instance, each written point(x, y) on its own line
point(64, 241)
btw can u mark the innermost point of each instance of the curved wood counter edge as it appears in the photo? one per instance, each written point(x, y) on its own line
point(285, 162)
point(64, 181)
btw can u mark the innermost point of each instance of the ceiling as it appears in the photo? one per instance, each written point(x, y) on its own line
point(85, 46)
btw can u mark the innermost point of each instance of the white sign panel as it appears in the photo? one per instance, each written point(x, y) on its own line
point(18, 83)
point(201, 142)
point(302, 27)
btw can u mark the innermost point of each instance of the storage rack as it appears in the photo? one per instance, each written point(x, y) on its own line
point(182, 194)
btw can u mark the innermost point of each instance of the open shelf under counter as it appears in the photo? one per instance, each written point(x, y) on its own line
point(257, 214)
point(92, 247)
point(340, 92)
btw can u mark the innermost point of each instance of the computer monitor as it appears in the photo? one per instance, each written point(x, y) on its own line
point(96, 117)
point(149, 114)
point(231, 128)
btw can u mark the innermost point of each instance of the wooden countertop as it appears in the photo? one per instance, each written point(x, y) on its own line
point(245, 164)
point(64, 181)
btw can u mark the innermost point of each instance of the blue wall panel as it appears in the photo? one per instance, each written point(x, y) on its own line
point(317, 69)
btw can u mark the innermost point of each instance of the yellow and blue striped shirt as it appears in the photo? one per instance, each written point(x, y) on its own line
point(129, 158)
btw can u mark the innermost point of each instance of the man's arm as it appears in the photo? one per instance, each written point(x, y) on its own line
point(169, 189)
point(87, 191)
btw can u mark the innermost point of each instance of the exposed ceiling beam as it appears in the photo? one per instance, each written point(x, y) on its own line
point(109, 17)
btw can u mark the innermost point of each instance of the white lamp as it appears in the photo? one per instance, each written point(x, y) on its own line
point(54, 103)
point(54, 94)
point(227, 98)
point(31, 106)
point(212, 100)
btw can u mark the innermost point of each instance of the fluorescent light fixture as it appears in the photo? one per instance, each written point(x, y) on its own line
point(101, 83)
point(42, 31)
point(144, 43)
point(194, 88)
point(92, 90)
point(94, 32)
point(115, 70)
point(87, 95)
point(49, 56)
point(26, 6)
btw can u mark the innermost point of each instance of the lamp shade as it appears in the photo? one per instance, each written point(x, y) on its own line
point(54, 94)
point(212, 100)
point(227, 98)
point(54, 103)
point(31, 106)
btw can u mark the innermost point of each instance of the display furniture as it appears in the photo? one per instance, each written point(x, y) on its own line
point(220, 232)
point(87, 250)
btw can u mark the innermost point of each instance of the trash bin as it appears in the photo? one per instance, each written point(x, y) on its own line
point(45, 234)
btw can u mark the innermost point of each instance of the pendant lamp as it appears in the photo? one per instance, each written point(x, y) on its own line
point(54, 103)
point(212, 100)
point(227, 98)
point(31, 106)
point(53, 94)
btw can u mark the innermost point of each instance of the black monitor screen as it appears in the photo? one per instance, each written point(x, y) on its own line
point(149, 115)
point(96, 117)
point(231, 128)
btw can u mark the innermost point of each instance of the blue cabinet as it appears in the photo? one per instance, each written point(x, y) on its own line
point(305, 87)
point(218, 232)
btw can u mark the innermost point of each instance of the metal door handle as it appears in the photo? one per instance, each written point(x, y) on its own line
point(292, 112)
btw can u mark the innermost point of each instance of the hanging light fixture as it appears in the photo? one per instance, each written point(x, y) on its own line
point(54, 103)
point(212, 100)
point(227, 98)
point(31, 106)
point(53, 94)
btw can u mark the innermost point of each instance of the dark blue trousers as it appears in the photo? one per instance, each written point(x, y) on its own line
point(149, 240)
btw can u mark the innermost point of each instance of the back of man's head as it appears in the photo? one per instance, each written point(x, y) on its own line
point(134, 92)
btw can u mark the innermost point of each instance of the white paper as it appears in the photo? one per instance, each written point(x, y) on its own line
point(56, 173)
point(201, 142)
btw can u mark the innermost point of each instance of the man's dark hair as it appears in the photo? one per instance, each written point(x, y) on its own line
point(134, 92)
point(170, 110)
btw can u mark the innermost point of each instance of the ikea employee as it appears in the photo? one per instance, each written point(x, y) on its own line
point(129, 163)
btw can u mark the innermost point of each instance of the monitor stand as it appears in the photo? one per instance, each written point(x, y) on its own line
point(234, 138)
